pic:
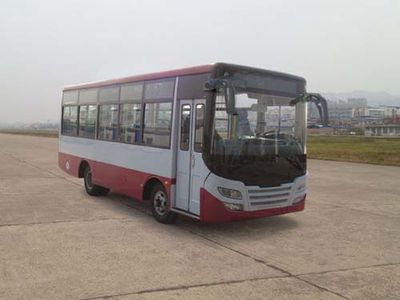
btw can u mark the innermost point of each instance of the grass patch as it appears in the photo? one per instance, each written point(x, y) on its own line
point(382, 151)
point(43, 133)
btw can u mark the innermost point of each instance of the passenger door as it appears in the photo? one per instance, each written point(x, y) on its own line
point(190, 167)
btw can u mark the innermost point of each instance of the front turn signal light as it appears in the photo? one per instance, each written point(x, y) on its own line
point(232, 206)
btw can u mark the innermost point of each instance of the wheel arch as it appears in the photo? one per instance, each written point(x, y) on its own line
point(82, 166)
point(150, 183)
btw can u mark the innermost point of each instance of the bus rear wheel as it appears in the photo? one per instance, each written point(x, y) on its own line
point(92, 189)
point(160, 205)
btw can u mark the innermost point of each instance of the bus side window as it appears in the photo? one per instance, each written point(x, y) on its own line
point(185, 127)
point(157, 124)
point(91, 121)
point(87, 121)
point(108, 122)
point(199, 128)
point(82, 120)
point(70, 120)
point(130, 123)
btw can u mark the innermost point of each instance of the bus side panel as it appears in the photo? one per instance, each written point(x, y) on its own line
point(121, 167)
point(69, 164)
point(121, 180)
point(126, 181)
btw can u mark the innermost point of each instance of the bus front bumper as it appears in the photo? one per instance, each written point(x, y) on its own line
point(213, 210)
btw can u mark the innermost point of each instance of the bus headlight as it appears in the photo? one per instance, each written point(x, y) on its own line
point(229, 193)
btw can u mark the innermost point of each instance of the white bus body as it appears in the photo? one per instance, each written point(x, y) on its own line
point(162, 137)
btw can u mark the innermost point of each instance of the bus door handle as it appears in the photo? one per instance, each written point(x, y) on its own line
point(193, 160)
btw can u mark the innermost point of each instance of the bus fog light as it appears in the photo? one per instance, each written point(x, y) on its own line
point(232, 206)
point(229, 193)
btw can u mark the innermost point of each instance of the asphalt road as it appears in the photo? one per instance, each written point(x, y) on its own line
point(58, 243)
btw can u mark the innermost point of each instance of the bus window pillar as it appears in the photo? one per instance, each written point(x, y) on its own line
point(260, 127)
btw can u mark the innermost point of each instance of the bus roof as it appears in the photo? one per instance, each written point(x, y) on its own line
point(173, 73)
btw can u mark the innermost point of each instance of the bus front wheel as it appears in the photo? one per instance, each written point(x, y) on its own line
point(160, 205)
point(92, 189)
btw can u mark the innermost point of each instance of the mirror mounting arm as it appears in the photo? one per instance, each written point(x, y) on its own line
point(229, 92)
point(318, 100)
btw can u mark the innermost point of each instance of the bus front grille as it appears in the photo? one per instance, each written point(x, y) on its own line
point(260, 198)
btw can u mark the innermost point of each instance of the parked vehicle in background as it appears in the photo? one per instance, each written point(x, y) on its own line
point(315, 126)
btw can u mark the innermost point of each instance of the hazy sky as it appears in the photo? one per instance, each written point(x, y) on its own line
point(46, 44)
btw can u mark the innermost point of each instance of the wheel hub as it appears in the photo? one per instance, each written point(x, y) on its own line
point(160, 203)
point(89, 179)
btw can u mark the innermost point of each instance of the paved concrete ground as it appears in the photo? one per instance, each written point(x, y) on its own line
point(56, 242)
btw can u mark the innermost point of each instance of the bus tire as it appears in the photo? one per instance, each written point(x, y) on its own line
point(92, 189)
point(160, 205)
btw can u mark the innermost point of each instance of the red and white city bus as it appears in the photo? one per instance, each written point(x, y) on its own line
point(218, 142)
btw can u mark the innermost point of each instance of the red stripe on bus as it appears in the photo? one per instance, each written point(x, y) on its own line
point(121, 180)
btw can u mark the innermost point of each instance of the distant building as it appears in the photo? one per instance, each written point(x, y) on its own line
point(377, 115)
point(360, 113)
point(382, 130)
point(355, 112)
point(339, 111)
point(391, 111)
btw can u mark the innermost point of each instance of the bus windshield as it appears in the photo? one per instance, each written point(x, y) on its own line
point(263, 143)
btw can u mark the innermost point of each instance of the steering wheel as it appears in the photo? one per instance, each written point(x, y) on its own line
point(271, 134)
